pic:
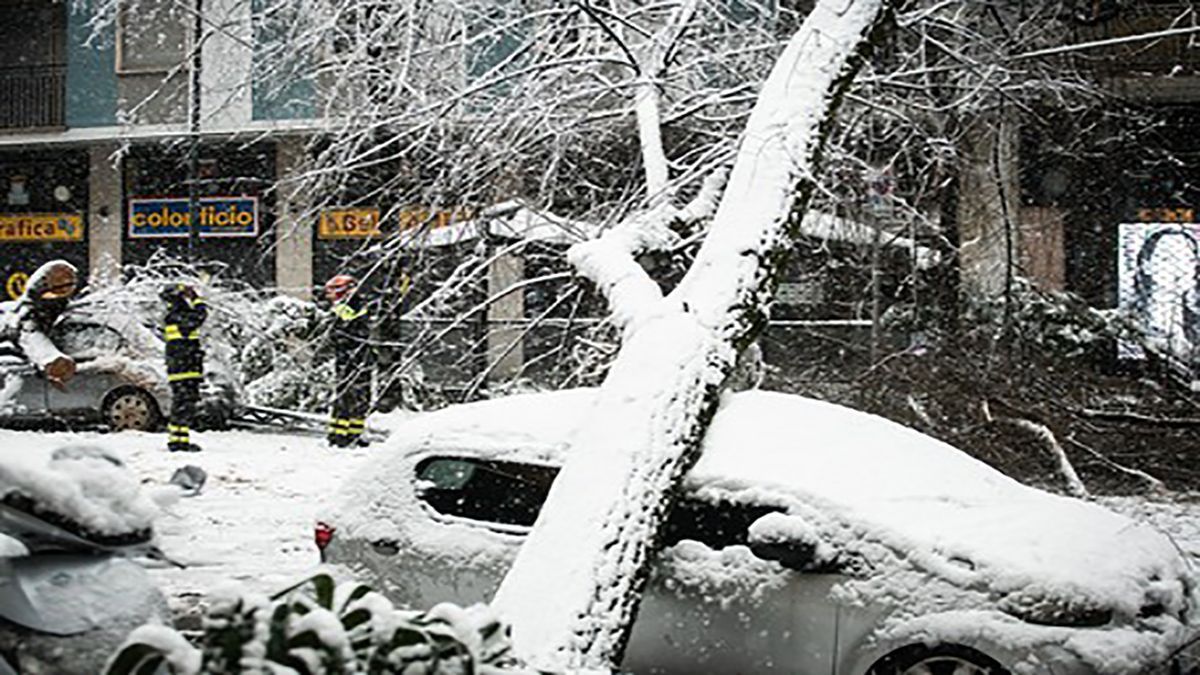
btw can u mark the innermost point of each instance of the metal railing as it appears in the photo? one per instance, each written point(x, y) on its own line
point(32, 97)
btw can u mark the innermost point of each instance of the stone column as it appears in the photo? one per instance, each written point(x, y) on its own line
point(105, 220)
point(293, 220)
point(504, 357)
point(988, 227)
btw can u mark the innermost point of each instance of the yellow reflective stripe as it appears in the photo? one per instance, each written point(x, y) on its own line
point(172, 332)
point(345, 312)
point(189, 375)
point(196, 302)
point(356, 423)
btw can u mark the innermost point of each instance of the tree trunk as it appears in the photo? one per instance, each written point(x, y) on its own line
point(573, 592)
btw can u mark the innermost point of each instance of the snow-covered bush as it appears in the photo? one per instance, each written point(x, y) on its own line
point(320, 626)
point(267, 343)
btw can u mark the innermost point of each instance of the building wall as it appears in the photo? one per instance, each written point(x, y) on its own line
point(91, 74)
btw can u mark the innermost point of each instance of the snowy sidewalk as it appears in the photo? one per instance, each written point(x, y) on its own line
point(253, 521)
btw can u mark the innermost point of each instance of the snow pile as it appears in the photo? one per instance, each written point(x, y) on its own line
point(95, 492)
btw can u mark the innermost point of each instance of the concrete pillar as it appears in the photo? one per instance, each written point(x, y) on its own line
point(227, 65)
point(293, 220)
point(988, 227)
point(105, 220)
point(506, 353)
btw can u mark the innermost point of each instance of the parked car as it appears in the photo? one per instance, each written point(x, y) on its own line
point(811, 539)
point(71, 530)
point(121, 380)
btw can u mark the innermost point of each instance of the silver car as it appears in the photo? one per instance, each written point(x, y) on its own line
point(121, 379)
point(811, 539)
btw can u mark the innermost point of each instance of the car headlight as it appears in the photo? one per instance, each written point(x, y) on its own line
point(1050, 610)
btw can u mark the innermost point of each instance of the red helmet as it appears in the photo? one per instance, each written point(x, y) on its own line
point(339, 286)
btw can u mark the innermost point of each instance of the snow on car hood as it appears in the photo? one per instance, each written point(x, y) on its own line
point(868, 481)
point(945, 511)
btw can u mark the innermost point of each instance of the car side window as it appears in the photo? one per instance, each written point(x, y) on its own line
point(717, 525)
point(79, 339)
point(508, 493)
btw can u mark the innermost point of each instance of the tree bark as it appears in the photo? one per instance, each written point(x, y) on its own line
point(573, 592)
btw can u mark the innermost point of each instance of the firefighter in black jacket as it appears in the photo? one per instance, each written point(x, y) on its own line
point(351, 334)
point(186, 312)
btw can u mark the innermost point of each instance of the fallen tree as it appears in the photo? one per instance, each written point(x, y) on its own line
point(594, 540)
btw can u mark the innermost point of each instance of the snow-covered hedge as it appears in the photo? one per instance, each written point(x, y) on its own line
point(320, 626)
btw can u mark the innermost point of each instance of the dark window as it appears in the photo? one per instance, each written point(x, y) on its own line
point(491, 491)
point(512, 494)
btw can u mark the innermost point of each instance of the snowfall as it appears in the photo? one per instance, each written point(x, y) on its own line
point(252, 523)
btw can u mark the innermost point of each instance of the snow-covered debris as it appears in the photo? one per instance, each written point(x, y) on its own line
point(97, 494)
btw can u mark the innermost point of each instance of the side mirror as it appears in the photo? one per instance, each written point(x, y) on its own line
point(793, 542)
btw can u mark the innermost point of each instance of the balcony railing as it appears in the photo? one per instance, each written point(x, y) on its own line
point(32, 97)
point(1175, 55)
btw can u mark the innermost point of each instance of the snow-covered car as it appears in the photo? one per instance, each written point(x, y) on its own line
point(121, 379)
point(811, 539)
point(72, 526)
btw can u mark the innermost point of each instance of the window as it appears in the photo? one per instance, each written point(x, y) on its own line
point(152, 37)
point(491, 491)
point(510, 493)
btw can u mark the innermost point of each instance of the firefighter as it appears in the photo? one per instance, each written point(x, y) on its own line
point(352, 388)
point(28, 323)
point(186, 312)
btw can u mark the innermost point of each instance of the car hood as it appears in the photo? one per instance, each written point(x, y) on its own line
point(868, 480)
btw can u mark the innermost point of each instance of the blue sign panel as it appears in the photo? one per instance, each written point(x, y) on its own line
point(171, 217)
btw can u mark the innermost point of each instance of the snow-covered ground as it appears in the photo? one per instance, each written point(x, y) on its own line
point(253, 521)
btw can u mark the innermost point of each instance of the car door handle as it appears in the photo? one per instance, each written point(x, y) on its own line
point(386, 546)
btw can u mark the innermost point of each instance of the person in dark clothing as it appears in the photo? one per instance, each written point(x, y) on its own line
point(186, 312)
point(352, 389)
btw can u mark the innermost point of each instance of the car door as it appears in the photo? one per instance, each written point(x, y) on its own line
point(713, 607)
point(22, 388)
point(475, 516)
point(84, 342)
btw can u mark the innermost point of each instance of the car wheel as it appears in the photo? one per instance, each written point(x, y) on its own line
point(130, 409)
point(940, 660)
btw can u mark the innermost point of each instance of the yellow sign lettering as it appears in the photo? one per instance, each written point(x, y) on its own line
point(349, 224)
point(31, 227)
point(15, 285)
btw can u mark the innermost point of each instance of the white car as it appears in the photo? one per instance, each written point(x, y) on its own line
point(811, 539)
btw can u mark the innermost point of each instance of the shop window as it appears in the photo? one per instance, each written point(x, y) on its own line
point(152, 37)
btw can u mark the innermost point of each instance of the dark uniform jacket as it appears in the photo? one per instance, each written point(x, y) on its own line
point(185, 356)
point(351, 331)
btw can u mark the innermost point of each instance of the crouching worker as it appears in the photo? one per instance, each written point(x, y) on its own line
point(352, 388)
point(186, 312)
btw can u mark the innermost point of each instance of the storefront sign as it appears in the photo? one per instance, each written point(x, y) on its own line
point(170, 217)
point(18, 227)
point(349, 224)
point(418, 218)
